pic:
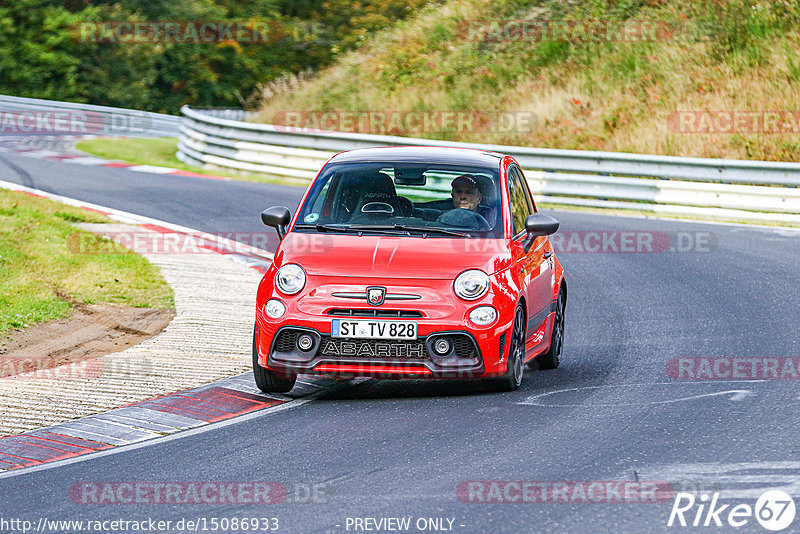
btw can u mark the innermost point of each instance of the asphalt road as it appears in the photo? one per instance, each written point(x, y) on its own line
point(386, 449)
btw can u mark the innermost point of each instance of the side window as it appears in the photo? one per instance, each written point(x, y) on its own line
point(518, 195)
point(527, 189)
point(323, 195)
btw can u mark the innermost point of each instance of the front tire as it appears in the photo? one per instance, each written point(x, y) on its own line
point(516, 358)
point(266, 380)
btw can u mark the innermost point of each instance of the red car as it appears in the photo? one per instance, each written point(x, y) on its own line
point(411, 262)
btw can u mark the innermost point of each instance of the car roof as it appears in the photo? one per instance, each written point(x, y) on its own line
point(421, 154)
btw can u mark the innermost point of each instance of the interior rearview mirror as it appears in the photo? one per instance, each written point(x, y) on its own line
point(409, 176)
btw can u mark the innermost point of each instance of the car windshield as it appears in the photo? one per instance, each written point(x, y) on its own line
point(436, 200)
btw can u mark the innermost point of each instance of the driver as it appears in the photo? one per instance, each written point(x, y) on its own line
point(466, 193)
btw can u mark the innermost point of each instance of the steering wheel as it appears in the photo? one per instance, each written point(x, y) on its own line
point(463, 218)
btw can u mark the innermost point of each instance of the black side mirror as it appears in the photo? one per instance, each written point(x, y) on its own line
point(278, 217)
point(538, 225)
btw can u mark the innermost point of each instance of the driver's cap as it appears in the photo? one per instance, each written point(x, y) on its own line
point(465, 179)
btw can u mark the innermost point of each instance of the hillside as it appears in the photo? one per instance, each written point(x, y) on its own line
point(709, 78)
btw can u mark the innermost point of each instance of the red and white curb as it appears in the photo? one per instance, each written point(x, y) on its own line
point(27, 151)
point(150, 419)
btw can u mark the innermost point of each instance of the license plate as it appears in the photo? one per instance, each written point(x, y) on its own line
point(374, 329)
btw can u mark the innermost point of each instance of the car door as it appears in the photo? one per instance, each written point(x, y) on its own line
point(533, 266)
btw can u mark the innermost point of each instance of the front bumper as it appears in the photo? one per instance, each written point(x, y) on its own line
point(478, 351)
point(375, 357)
point(475, 351)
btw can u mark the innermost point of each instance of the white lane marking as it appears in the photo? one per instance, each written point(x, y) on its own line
point(756, 477)
point(153, 169)
point(536, 400)
point(132, 218)
point(88, 160)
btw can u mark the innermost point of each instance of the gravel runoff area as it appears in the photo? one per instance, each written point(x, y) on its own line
point(209, 338)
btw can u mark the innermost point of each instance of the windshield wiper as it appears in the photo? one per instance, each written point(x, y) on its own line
point(351, 228)
point(324, 227)
point(424, 229)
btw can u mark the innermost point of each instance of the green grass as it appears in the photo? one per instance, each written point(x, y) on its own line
point(161, 152)
point(41, 278)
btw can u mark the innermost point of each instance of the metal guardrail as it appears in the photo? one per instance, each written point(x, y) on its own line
point(713, 188)
point(84, 119)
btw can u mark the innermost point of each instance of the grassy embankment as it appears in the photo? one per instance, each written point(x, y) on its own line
point(611, 95)
point(605, 95)
point(41, 278)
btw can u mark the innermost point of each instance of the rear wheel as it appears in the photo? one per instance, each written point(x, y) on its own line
point(266, 380)
point(516, 358)
point(551, 358)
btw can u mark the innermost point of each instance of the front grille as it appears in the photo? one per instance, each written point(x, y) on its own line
point(463, 346)
point(287, 340)
point(372, 348)
point(374, 312)
point(331, 348)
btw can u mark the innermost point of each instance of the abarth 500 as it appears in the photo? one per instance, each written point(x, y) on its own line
point(411, 262)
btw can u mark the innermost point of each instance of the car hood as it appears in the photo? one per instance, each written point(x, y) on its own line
point(391, 257)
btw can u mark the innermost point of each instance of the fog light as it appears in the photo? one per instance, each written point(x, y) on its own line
point(483, 315)
point(305, 342)
point(274, 309)
point(441, 346)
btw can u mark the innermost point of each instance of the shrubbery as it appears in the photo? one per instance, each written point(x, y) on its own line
point(41, 55)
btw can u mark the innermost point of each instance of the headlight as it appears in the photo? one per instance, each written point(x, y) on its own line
point(471, 285)
point(290, 279)
point(483, 315)
point(274, 308)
